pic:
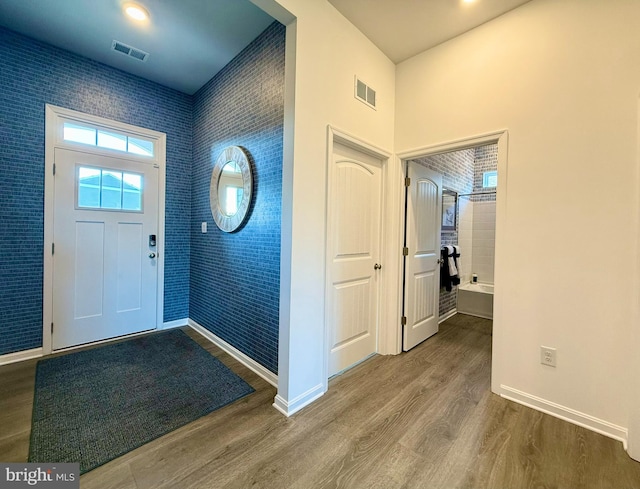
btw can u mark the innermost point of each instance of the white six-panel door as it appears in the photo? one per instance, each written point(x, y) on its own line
point(422, 269)
point(104, 266)
point(353, 292)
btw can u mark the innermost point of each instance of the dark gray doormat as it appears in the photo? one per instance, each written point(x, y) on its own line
point(95, 405)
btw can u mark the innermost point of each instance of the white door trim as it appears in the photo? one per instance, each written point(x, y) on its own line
point(501, 138)
point(53, 139)
point(335, 135)
point(634, 392)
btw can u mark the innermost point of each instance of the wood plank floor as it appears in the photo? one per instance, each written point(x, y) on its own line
point(423, 419)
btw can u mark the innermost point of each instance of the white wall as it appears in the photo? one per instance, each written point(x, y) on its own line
point(329, 52)
point(563, 78)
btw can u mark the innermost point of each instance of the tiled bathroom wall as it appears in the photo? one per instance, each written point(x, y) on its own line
point(465, 237)
point(484, 240)
point(484, 215)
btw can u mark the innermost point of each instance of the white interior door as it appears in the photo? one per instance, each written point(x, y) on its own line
point(104, 261)
point(422, 268)
point(354, 264)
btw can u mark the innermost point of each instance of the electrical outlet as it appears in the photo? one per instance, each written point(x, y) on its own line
point(203, 227)
point(548, 356)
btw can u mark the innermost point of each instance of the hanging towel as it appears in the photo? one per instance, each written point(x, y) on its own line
point(453, 271)
point(456, 258)
point(445, 278)
point(448, 270)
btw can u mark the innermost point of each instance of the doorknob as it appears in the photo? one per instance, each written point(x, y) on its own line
point(152, 255)
point(377, 266)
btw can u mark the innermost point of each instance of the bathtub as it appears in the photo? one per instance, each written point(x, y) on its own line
point(476, 300)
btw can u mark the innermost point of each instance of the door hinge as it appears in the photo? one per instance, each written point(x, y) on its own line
point(403, 320)
point(405, 251)
point(51, 328)
point(407, 182)
point(53, 248)
point(54, 168)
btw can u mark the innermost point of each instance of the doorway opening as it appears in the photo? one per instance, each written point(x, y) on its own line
point(469, 186)
point(104, 230)
point(473, 173)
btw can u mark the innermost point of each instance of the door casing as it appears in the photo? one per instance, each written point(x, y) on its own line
point(336, 136)
point(501, 138)
point(53, 139)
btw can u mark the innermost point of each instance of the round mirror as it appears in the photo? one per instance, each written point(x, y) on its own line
point(230, 189)
point(231, 186)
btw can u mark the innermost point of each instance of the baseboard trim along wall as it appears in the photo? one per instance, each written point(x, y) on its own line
point(248, 362)
point(567, 414)
point(178, 323)
point(289, 408)
point(447, 315)
point(20, 356)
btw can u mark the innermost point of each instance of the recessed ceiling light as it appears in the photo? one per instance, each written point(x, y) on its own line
point(468, 1)
point(136, 12)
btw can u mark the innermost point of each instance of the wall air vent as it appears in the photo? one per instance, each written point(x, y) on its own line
point(365, 93)
point(121, 47)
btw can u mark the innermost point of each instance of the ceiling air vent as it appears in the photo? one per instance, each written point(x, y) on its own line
point(365, 93)
point(121, 47)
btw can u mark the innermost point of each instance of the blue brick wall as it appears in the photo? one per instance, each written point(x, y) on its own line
point(235, 277)
point(33, 74)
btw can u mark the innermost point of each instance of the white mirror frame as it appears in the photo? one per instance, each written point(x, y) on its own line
point(237, 155)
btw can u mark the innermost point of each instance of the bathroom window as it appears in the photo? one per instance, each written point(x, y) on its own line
point(490, 179)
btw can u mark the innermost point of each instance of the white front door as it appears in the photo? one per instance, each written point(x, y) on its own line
point(422, 268)
point(354, 243)
point(104, 258)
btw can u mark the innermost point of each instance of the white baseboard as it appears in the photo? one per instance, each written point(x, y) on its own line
point(567, 414)
point(448, 315)
point(175, 324)
point(20, 356)
point(247, 361)
point(289, 408)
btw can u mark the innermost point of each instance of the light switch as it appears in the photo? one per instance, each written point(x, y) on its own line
point(204, 227)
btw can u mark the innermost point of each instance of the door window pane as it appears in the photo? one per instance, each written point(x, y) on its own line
point(100, 188)
point(140, 147)
point(111, 190)
point(84, 134)
point(110, 140)
point(79, 134)
point(131, 192)
point(89, 187)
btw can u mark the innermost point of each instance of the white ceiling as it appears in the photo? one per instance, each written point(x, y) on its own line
point(403, 28)
point(188, 41)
